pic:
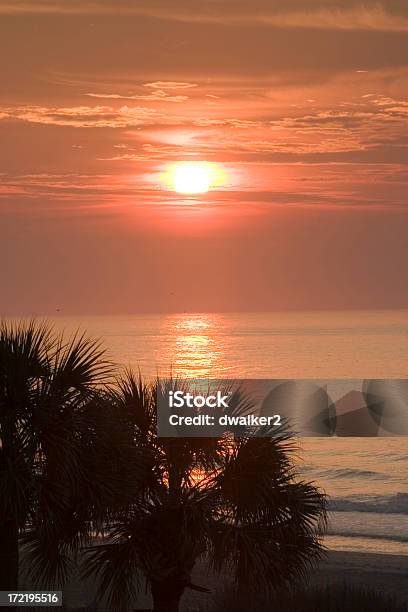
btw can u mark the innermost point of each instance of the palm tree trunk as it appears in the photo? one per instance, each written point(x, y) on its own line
point(8, 555)
point(167, 595)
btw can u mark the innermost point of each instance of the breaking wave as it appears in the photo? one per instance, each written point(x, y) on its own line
point(391, 504)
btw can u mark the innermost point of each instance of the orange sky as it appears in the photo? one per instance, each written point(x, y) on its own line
point(303, 102)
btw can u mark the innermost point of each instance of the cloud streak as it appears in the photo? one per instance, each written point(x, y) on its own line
point(373, 15)
point(157, 95)
point(84, 116)
point(164, 85)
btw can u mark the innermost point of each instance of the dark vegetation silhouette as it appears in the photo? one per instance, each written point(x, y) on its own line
point(78, 449)
point(235, 502)
point(66, 458)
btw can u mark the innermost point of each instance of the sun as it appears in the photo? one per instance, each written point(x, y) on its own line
point(193, 177)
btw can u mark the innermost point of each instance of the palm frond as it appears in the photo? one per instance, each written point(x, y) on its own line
point(79, 364)
point(115, 565)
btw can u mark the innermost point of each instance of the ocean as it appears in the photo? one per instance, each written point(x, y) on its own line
point(366, 479)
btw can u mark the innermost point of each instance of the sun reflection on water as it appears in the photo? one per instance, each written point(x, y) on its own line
point(196, 348)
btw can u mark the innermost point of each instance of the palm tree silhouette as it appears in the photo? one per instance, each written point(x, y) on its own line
point(57, 471)
point(236, 502)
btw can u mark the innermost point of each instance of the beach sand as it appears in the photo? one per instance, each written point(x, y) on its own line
point(386, 573)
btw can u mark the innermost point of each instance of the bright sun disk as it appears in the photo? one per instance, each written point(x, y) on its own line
point(193, 177)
